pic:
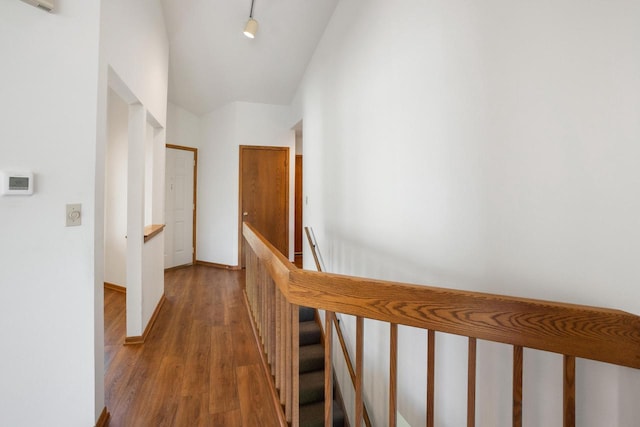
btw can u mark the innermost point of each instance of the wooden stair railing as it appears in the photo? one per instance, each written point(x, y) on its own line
point(574, 331)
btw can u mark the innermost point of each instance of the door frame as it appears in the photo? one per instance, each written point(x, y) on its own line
point(195, 192)
point(287, 189)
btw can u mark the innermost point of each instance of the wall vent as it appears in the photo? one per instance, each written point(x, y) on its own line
point(41, 4)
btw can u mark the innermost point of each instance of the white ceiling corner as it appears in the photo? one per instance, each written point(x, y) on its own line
point(212, 63)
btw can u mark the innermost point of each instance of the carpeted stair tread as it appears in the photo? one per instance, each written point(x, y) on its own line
point(313, 415)
point(307, 314)
point(311, 387)
point(311, 358)
point(309, 333)
point(311, 395)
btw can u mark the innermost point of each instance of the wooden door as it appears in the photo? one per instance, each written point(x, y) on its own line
point(264, 194)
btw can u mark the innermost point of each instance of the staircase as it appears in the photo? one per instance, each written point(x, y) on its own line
point(312, 374)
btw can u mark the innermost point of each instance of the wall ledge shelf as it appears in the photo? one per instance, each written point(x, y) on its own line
point(150, 231)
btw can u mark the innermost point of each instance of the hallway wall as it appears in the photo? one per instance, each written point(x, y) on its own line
point(54, 88)
point(222, 133)
point(48, 80)
point(490, 147)
point(134, 62)
point(183, 127)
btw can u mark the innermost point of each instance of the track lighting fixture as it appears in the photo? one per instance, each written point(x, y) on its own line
point(252, 25)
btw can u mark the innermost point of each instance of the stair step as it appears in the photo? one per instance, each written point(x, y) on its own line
point(313, 415)
point(311, 372)
point(307, 314)
point(309, 333)
point(311, 387)
point(311, 358)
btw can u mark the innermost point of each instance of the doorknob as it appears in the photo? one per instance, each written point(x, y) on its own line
point(245, 213)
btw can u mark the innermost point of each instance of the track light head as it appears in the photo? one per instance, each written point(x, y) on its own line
point(252, 25)
point(251, 28)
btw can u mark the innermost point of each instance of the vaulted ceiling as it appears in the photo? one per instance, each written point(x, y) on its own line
point(212, 63)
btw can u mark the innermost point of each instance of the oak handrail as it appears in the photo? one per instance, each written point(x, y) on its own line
point(595, 333)
point(574, 331)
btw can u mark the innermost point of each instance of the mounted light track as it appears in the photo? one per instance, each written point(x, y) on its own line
point(46, 5)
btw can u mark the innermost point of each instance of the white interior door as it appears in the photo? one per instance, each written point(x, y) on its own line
point(179, 207)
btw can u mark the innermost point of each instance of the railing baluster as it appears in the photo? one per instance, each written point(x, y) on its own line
point(263, 309)
point(359, 369)
point(278, 352)
point(569, 391)
point(267, 321)
point(283, 350)
point(393, 374)
point(272, 327)
point(288, 384)
point(295, 361)
point(471, 384)
point(431, 380)
point(328, 368)
point(253, 264)
point(517, 385)
point(258, 302)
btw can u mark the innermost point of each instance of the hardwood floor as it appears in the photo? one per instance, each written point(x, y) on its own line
point(200, 365)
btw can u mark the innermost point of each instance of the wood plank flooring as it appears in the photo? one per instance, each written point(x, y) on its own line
point(200, 366)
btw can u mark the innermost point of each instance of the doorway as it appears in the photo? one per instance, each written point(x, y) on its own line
point(264, 195)
point(180, 205)
point(297, 226)
point(116, 189)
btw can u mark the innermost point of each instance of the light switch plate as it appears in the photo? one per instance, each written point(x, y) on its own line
point(74, 215)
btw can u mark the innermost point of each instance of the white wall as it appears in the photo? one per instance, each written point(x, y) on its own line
point(487, 146)
point(218, 188)
point(115, 259)
point(134, 54)
point(223, 131)
point(153, 250)
point(152, 277)
point(183, 127)
point(48, 78)
point(148, 175)
point(135, 46)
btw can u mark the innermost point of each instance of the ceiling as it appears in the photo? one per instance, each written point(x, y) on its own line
point(212, 63)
